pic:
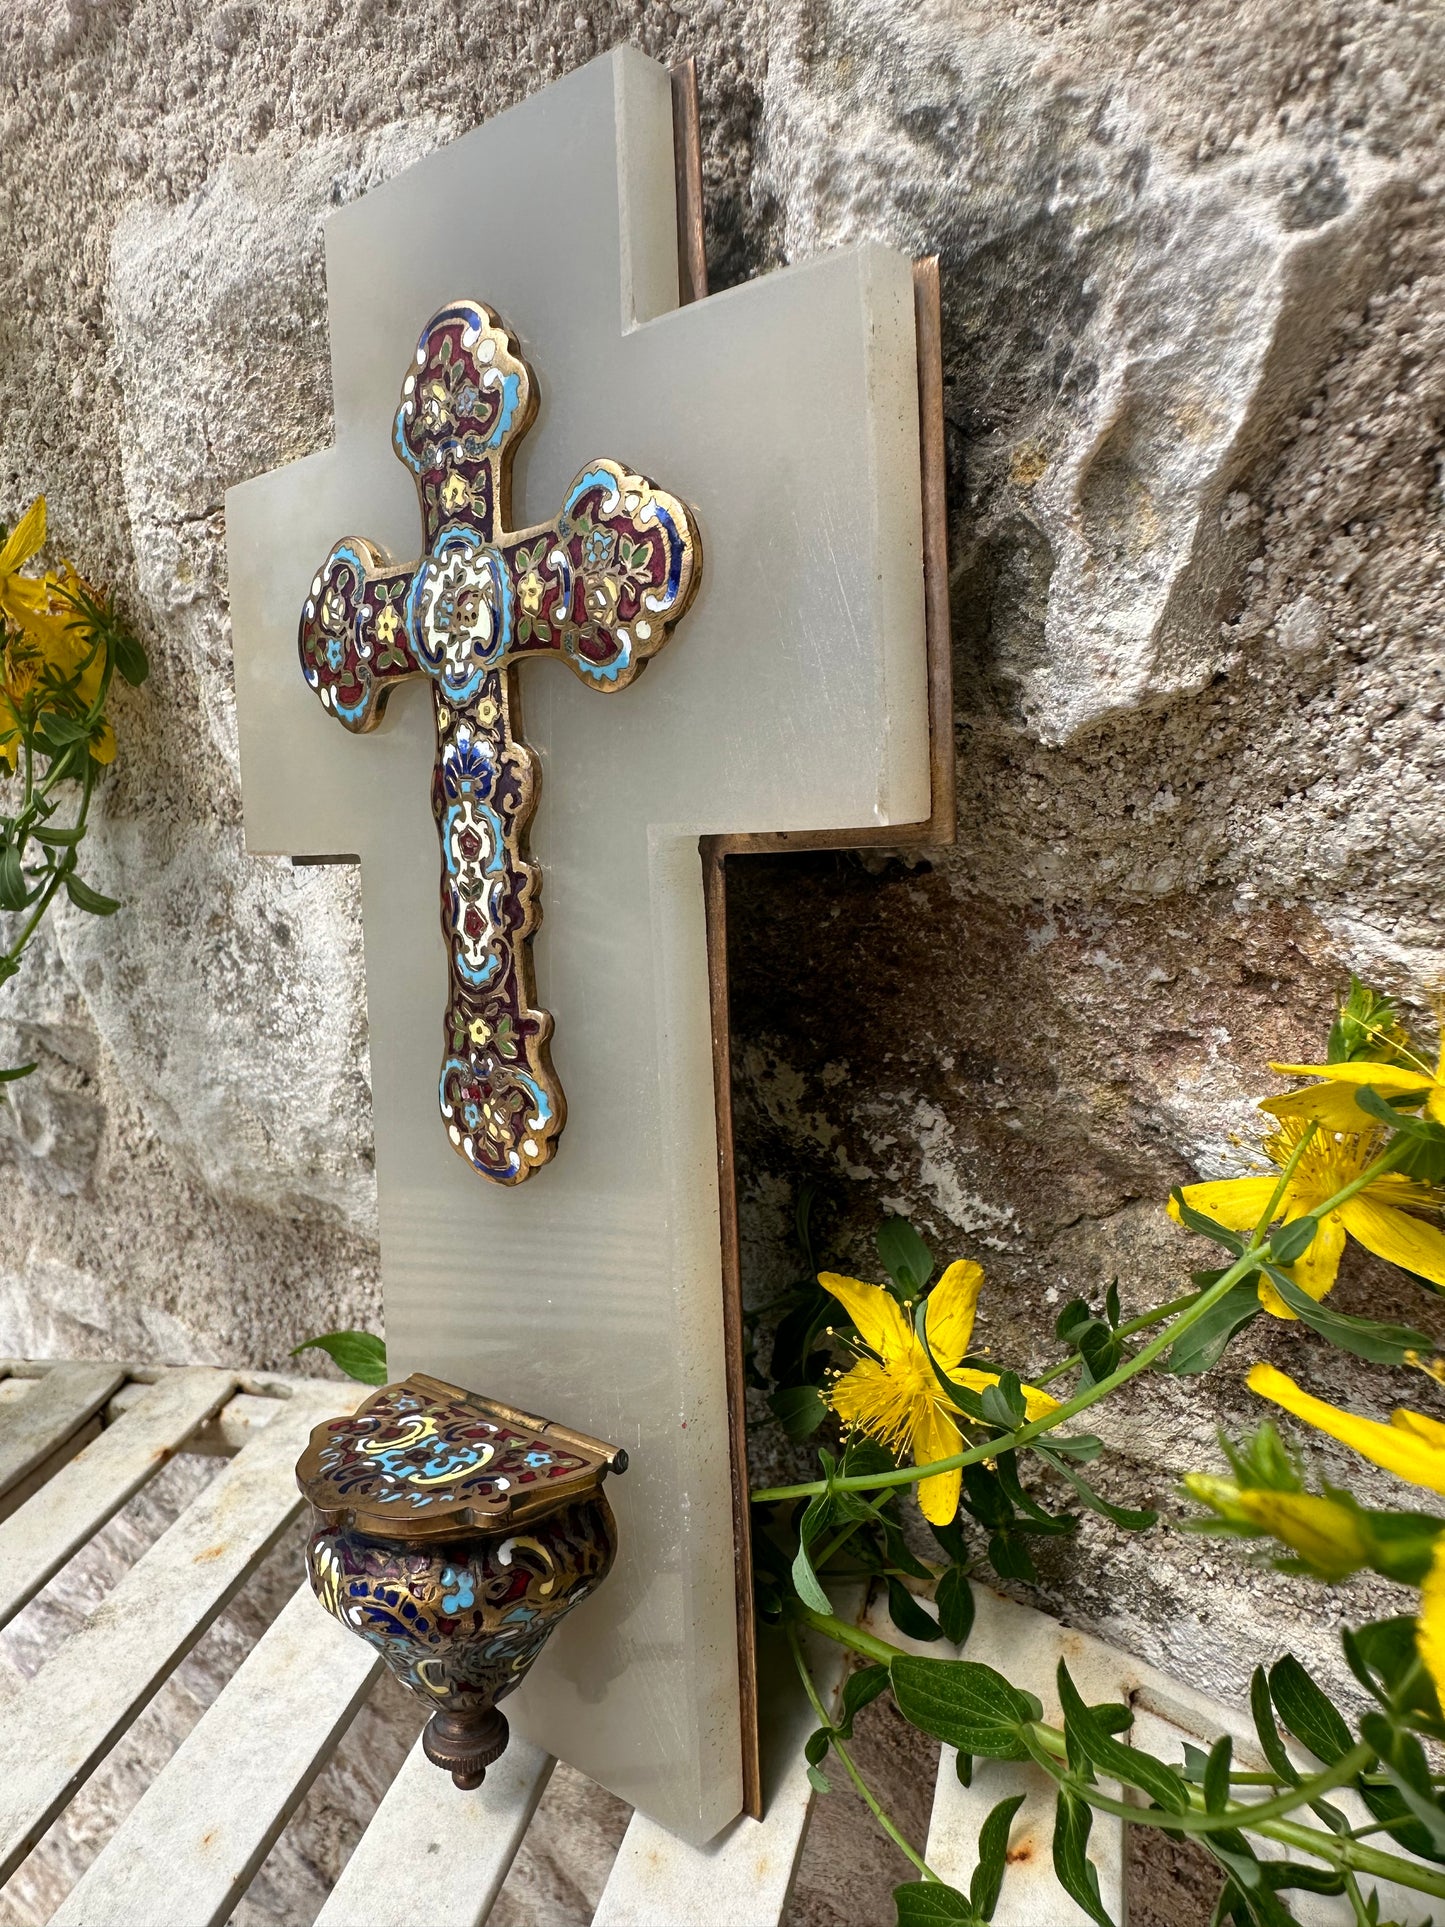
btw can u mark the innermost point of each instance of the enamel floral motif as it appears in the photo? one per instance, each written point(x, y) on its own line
point(600, 587)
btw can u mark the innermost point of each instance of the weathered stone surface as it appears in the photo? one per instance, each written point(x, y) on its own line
point(1133, 331)
point(1194, 321)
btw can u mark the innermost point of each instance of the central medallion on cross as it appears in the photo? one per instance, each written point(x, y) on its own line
point(599, 587)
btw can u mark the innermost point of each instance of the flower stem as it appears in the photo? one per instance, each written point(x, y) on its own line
point(1266, 1217)
point(836, 1742)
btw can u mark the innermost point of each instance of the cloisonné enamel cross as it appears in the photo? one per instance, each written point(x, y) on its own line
point(599, 588)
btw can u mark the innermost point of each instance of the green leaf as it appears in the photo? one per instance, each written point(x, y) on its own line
point(15, 1073)
point(1006, 1470)
point(818, 1780)
point(1011, 1559)
point(805, 1580)
point(1163, 1784)
point(924, 1903)
point(1120, 1515)
point(361, 1355)
point(1279, 1874)
point(954, 1600)
point(963, 1767)
point(987, 1882)
point(1403, 1758)
point(799, 1409)
point(1363, 1027)
point(1076, 1873)
point(1418, 1144)
point(1074, 1314)
point(60, 839)
point(1234, 1852)
point(969, 1705)
point(1216, 1774)
point(59, 730)
point(908, 1616)
point(14, 893)
point(1202, 1345)
point(1270, 1743)
point(815, 1747)
point(1206, 1227)
point(1100, 1348)
point(1074, 1445)
point(906, 1258)
point(132, 663)
point(84, 898)
point(1383, 1656)
point(1305, 1711)
point(1288, 1242)
point(860, 1689)
point(1003, 1404)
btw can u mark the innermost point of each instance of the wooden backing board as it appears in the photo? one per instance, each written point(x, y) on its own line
point(937, 829)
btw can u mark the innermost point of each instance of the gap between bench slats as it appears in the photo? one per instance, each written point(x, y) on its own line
point(56, 1521)
point(58, 1404)
point(187, 1851)
point(55, 1728)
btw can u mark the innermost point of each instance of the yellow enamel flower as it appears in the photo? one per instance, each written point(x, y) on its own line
point(1383, 1217)
point(1333, 1102)
point(529, 592)
point(893, 1394)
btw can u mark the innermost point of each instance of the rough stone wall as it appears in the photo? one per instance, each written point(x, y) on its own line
point(1194, 312)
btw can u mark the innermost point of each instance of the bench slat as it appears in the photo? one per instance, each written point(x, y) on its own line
point(435, 1854)
point(55, 1407)
point(58, 1725)
point(744, 1876)
point(52, 1525)
point(188, 1850)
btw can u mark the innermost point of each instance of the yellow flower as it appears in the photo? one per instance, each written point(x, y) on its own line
point(529, 592)
point(45, 633)
point(456, 492)
point(23, 597)
point(1325, 1534)
point(1430, 1626)
point(1333, 1102)
point(1412, 1445)
point(894, 1395)
point(387, 622)
point(1381, 1217)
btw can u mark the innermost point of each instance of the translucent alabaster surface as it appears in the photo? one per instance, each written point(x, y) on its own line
point(791, 696)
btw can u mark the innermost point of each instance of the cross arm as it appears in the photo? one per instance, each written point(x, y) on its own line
point(603, 584)
point(354, 641)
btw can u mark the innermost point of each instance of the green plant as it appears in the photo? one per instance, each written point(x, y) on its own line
point(61, 644)
point(1359, 1153)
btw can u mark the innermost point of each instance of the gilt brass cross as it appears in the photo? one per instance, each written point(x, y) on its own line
point(599, 587)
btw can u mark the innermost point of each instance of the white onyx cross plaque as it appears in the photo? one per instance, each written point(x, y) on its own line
point(792, 697)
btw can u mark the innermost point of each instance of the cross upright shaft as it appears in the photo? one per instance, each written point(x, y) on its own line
point(600, 587)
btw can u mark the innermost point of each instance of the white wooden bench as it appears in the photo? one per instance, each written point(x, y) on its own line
point(77, 1440)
